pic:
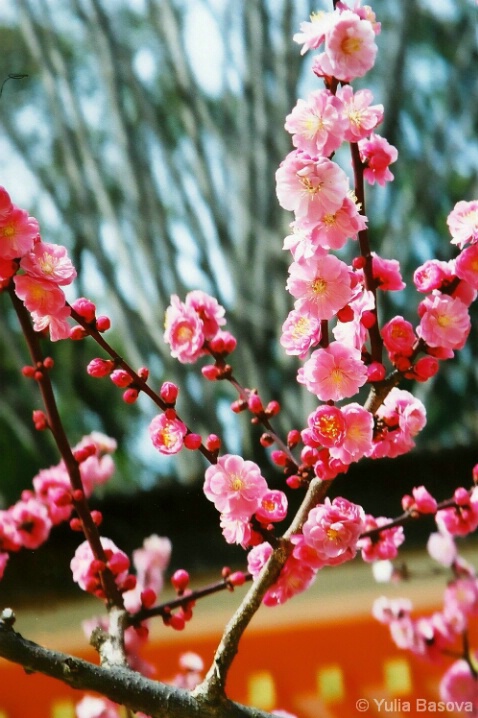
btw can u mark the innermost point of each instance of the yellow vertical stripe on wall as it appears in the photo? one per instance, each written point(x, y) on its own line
point(398, 677)
point(330, 683)
point(262, 691)
point(63, 709)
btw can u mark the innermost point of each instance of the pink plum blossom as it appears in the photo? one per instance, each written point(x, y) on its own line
point(333, 373)
point(273, 507)
point(459, 685)
point(354, 333)
point(433, 274)
point(18, 232)
point(386, 610)
point(300, 332)
point(184, 332)
point(361, 116)
point(49, 261)
point(150, 562)
point(333, 528)
point(424, 501)
point(258, 557)
point(235, 486)
point(385, 545)
point(321, 285)
point(10, 538)
point(466, 265)
point(399, 336)
point(310, 187)
point(377, 154)
point(236, 528)
point(332, 230)
point(209, 311)
point(326, 467)
point(460, 520)
point(358, 438)
point(52, 488)
point(300, 243)
point(463, 223)
point(442, 548)
point(402, 416)
point(94, 707)
point(167, 432)
point(316, 124)
point(460, 600)
point(32, 521)
point(445, 322)
point(86, 571)
point(386, 273)
point(350, 48)
point(39, 295)
point(312, 34)
point(326, 427)
point(56, 323)
point(296, 575)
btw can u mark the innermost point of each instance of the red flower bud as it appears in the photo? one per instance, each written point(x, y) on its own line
point(99, 368)
point(273, 408)
point(213, 442)
point(255, 404)
point(180, 580)
point(169, 392)
point(148, 598)
point(210, 372)
point(85, 308)
point(192, 441)
point(368, 319)
point(130, 396)
point(103, 323)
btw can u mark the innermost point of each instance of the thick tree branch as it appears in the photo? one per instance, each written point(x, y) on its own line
point(121, 685)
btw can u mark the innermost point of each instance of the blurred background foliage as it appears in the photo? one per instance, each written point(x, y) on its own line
point(146, 138)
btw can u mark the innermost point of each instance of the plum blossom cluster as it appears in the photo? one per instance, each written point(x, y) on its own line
point(28, 522)
point(329, 537)
point(327, 214)
point(441, 634)
point(240, 493)
point(39, 269)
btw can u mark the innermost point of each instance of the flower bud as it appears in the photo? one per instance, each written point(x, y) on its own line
point(130, 396)
point(213, 442)
point(121, 378)
point(192, 441)
point(210, 372)
point(99, 368)
point(180, 580)
point(85, 308)
point(103, 323)
point(169, 392)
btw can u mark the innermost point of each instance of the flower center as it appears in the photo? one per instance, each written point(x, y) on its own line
point(319, 285)
point(312, 125)
point(236, 482)
point(329, 426)
point(47, 264)
point(301, 328)
point(309, 187)
point(184, 333)
point(350, 45)
point(9, 230)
